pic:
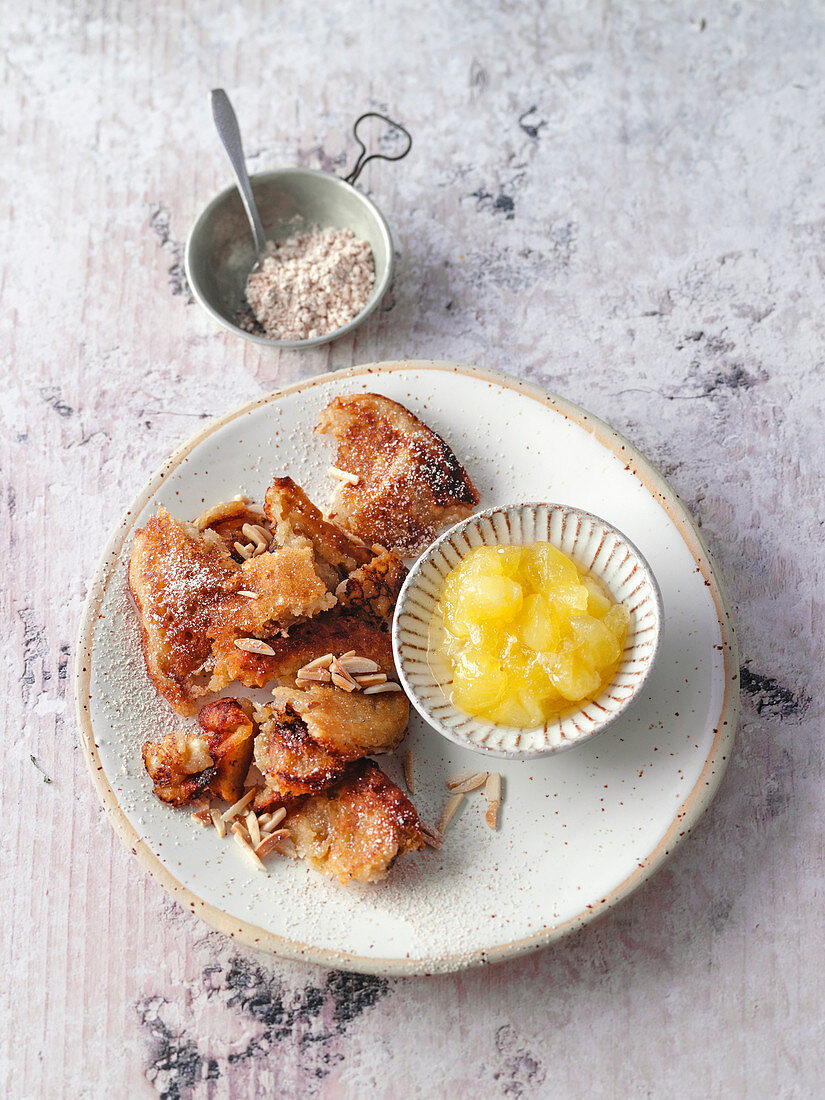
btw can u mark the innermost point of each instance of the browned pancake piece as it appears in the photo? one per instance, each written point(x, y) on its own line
point(372, 590)
point(357, 828)
point(178, 578)
point(287, 588)
point(292, 515)
point(311, 639)
point(308, 737)
point(211, 761)
point(410, 484)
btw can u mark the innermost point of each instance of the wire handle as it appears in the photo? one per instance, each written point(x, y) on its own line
point(363, 159)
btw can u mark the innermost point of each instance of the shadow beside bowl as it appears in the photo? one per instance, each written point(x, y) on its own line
point(220, 250)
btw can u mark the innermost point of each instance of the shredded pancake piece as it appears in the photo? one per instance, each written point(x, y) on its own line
point(178, 577)
point(357, 828)
point(308, 737)
point(213, 760)
point(409, 483)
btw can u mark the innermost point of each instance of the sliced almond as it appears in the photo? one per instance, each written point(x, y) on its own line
point(275, 820)
point(319, 662)
point(343, 475)
point(491, 817)
point(254, 645)
point(471, 783)
point(343, 657)
point(449, 812)
point(238, 828)
point(341, 678)
point(430, 838)
point(198, 816)
point(357, 665)
point(218, 822)
point(245, 552)
point(245, 846)
point(409, 775)
point(492, 790)
point(380, 689)
point(313, 676)
point(236, 808)
point(253, 827)
point(249, 595)
point(271, 842)
point(370, 679)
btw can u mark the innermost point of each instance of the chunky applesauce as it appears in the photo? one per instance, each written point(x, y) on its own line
point(526, 633)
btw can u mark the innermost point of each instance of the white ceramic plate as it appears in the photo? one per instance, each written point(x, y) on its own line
point(578, 830)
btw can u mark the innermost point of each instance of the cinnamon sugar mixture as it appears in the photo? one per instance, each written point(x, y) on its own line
point(311, 283)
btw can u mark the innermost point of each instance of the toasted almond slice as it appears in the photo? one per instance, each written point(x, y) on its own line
point(246, 847)
point(449, 812)
point(198, 816)
point(319, 662)
point(491, 817)
point(253, 827)
point(343, 475)
point(357, 665)
point(430, 838)
point(242, 497)
point(249, 595)
point(257, 534)
point(264, 820)
point(313, 676)
point(271, 842)
point(379, 689)
point(275, 820)
point(239, 826)
point(471, 783)
point(377, 549)
point(286, 847)
point(254, 645)
point(370, 679)
point(409, 775)
point(492, 790)
point(459, 777)
point(218, 822)
point(344, 682)
point(349, 653)
point(236, 808)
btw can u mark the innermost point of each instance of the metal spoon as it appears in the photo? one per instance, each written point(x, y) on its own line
point(226, 123)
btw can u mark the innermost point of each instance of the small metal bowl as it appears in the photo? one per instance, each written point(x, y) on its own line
point(593, 544)
point(220, 251)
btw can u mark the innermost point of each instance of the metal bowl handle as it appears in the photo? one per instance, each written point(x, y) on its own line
point(363, 159)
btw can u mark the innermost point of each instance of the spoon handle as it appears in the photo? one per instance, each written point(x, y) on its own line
point(229, 133)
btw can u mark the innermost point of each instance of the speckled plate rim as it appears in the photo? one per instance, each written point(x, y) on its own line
point(687, 815)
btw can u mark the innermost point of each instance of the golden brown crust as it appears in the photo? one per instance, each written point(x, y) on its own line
point(211, 761)
point(308, 737)
point(410, 484)
point(306, 641)
point(292, 515)
point(177, 578)
point(357, 828)
point(288, 588)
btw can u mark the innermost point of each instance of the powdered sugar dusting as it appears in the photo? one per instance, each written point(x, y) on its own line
point(311, 283)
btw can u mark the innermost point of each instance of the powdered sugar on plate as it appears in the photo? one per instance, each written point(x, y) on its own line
point(311, 283)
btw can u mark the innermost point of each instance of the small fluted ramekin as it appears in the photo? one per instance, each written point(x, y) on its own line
point(594, 545)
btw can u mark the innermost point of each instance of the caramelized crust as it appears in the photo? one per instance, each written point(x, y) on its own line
point(177, 578)
point(357, 828)
point(372, 590)
point(308, 737)
point(213, 761)
point(311, 639)
point(292, 515)
point(410, 484)
point(287, 589)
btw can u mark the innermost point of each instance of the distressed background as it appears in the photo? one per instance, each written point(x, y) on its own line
point(625, 202)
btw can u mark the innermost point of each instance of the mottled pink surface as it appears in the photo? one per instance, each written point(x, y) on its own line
point(624, 203)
